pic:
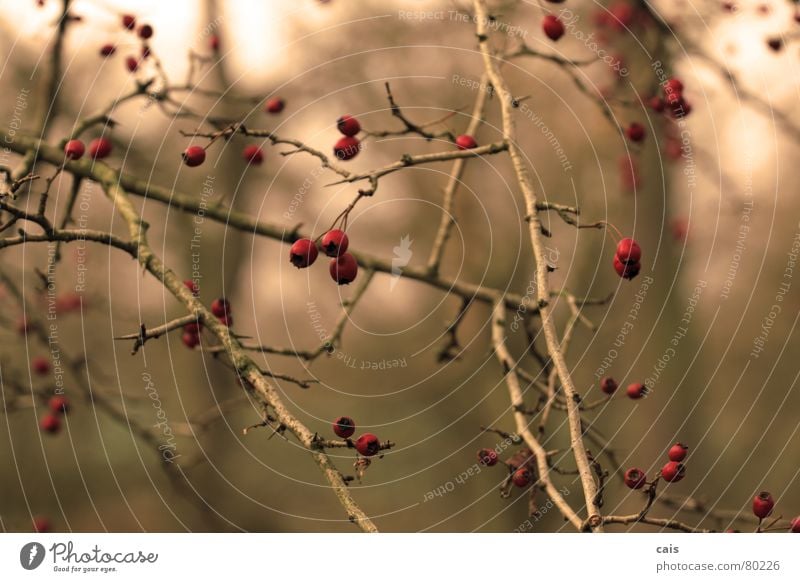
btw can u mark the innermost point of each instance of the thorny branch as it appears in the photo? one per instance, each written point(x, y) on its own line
point(543, 289)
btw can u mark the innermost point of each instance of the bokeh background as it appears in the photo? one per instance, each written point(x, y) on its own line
point(722, 217)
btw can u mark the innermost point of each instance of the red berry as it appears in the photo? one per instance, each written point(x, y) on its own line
point(50, 423)
point(656, 103)
point(347, 148)
point(100, 148)
point(334, 243)
point(629, 251)
point(226, 320)
point(41, 524)
point(58, 404)
point(192, 287)
point(795, 527)
point(763, 504)
point(344, 269)
point(107, 50)
point(348, 125)
point(190, 340)
point(487, 457)
point(74, 149)
point(275, 105)
point(193, 156)
point(368, 444)
point(673, 472)
point(677, 452)
point(220, 307)
point(344, 427)
point(626, 270)
point(145, 31)
point(213, 43)
point(635, 132)
point(303, 253)
point(608, 385)
point(40, 365)
point(132, 64)
point(194, 327)
point(553, 27)
point(635, 478)
point(673, 86)
point(466, 142)
point(129, 21)
point(680, 108)
point(521, 477)
point(636, 391)
point(253, 154)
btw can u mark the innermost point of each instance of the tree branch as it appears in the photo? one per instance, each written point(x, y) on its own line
point(542, 287)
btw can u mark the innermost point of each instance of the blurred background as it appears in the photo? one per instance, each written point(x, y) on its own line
point(709, 197)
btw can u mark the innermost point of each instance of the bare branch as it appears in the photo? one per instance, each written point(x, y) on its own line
point(542, 274)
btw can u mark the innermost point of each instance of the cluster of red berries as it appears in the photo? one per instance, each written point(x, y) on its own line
point(553, 27)
point(343, 266)
point(144, 32)
point(634, 391)
point(672, 472)
point(221, 308)
point(367, 444)
point(348, 145)
point(51, 422)
point(191, 334)
point(673, 99)
point(675, 470)
point(99, 148)
point(521, 476)
point(627, 257)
